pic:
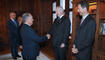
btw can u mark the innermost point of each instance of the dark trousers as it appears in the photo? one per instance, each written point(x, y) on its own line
point(14, 50)
point(84, 55)
point(60, 53)
point(22, 54)
point(30, 58)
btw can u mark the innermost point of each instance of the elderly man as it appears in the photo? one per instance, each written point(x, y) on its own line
point(60, 33)
point(13, 27)
point(30, 38)
point(85, 33)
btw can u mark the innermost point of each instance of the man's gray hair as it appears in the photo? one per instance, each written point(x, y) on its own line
point(60, 9)
point(25, 16)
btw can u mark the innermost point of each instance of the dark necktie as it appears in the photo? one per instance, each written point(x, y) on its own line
point(58, 20)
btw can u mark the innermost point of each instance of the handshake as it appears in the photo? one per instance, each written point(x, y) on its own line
point(48, 36)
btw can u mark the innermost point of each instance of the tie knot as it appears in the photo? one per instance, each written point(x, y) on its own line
point(58, 18)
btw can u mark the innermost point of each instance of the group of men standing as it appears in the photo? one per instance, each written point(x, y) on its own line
point(59, 32)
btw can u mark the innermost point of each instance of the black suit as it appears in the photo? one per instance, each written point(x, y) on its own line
point(84, 38)
point(14, 36)
point(60, 33)
point(31, 42)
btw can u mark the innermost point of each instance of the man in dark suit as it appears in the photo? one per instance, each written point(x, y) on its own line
point(85, 33)
point(30, 38)
point(60, 33)
point(13, 28)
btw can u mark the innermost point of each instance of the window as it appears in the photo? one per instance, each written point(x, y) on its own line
point(62, 3)
point(70, 4)
point(70, 13)
point(54, 8)
point(70, 17)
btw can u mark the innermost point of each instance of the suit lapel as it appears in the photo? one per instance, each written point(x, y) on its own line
point(59, 20)
point(13, 23)
point(85, 21)
point(62, 18)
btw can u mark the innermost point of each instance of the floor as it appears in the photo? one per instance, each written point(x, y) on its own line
point(8, 57)
point(45, 54)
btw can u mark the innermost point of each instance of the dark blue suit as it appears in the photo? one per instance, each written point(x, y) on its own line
point(60, 33)
point(13, 29)
point(84, 38)
point(31, 42)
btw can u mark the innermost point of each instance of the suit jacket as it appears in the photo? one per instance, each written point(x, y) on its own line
point(85, 36)
point(60, 31)
point(14, 30)
point(30, 41)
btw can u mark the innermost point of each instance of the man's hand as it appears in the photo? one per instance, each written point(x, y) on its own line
point(48, 36)
point(62, 45)
point(69, 37)
point(74, 50)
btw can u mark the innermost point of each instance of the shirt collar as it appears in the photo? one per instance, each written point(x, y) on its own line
point(12, 19)
point(85, 16)
point(61, 16)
